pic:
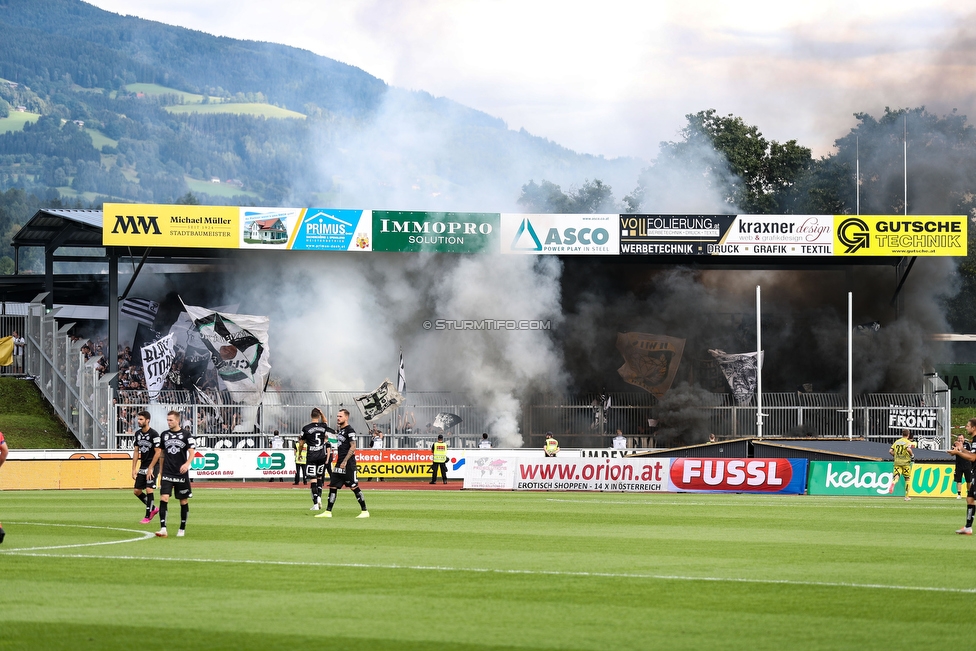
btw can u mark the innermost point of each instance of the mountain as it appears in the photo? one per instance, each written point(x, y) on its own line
point(94, 105)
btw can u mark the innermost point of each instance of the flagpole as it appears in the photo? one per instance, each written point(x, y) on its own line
point(759, 414)
point(905, 158)
point(850, 366)
point(857, 171)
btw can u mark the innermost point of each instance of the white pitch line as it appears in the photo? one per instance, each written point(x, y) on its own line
point(143, 535)
point(485, 570)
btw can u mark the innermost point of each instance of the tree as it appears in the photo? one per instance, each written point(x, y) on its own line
point(727, 161)
point(592, 197)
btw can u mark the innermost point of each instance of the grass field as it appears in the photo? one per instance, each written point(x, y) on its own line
point(479, 571)
point(216, 189)
point(156, 89)
point(16, 121)
point(27, 421)
point(237, 108)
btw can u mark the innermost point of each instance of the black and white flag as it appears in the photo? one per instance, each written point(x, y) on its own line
point(157, 359)
point(444, 421)
point(384, 400)
point(741, 372)
point(139, 309)
point(401, 377)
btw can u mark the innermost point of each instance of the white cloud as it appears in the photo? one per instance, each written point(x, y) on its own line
point(617, 77)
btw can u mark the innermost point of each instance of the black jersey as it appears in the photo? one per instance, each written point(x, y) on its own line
point(344, 438)
point(176, 447)
point(964, 465)
point(147, 442)
point(316, 437)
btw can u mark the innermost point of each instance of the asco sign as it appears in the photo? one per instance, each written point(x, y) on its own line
point(738, 475)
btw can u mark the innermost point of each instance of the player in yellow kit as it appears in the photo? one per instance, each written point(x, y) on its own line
point(901, 451)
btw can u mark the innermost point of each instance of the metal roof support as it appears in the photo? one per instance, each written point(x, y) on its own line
point(135, 274)
point(113, 313)
point(904, 277)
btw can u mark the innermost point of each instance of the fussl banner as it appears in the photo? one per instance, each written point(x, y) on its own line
point(738, 475)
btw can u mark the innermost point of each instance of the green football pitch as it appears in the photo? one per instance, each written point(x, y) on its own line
point(485, 570)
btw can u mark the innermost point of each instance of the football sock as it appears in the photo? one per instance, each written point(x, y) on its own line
point(332, 496)
point(184, 511)
point(141, 498)
point(312, 488)
point(970, 512)
point(162, 514)
point(359, 496)
point(149, 504)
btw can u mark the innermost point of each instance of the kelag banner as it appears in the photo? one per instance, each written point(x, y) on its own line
point(866, 478)
point(738, 475)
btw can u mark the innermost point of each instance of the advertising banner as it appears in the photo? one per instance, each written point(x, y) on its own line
point(399, 464)
point(560, 234)
point(888, 235)
point(131, 224)
point(778, 235)
point(571, 474)
point(327, 229)
point(440, 232)
point(738, 475)
point(242, 464)
point(933, 480)
point(672, 234)
point(864, 478)
point(961, 380)
point(268, 228)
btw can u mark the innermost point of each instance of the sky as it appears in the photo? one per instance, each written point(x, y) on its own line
point(615, 78)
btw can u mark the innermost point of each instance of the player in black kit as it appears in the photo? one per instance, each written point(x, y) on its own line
point(344, 473)
point(319, 456)
point(145, 455)
point(178, 447)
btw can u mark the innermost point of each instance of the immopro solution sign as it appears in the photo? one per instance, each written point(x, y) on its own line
point(439, 232)
point(560, 234)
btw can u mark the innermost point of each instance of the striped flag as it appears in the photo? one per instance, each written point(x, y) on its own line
point(401, 377)
point(140, 309)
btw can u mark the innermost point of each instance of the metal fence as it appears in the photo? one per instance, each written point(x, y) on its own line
point(89, 407)
point(13, 318)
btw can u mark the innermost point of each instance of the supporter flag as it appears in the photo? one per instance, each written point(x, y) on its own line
point(401, 376)
point(650, 361)
point(6, 351)
point(446, 421)
point(741, 372)
point(204, 397)
point(157, 359)
point(384, 400)
point(238, 345)
point(140, 309)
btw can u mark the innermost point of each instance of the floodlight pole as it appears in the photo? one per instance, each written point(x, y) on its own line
point(759, 414)
point(850, 366)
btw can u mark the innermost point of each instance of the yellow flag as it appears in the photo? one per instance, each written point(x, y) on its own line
point(6, 351)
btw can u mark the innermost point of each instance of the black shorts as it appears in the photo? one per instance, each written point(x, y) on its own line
point(344, 477)
point(142, 483)
point(958, 476)
point(179, 486)
point(316, 470)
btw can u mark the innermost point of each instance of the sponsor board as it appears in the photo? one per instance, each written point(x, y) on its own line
point(569, 474)
point(440, 232)
point(267, 228)
point(242, 464)
point(559, 234)
point(400, 464)
point(865, 478)
point(933, 480)
point(126, 224)
point(328, 229)
point(961, 380)
point(738, 475)
point(889, 235)
point(778, 235)
point(671, 234)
